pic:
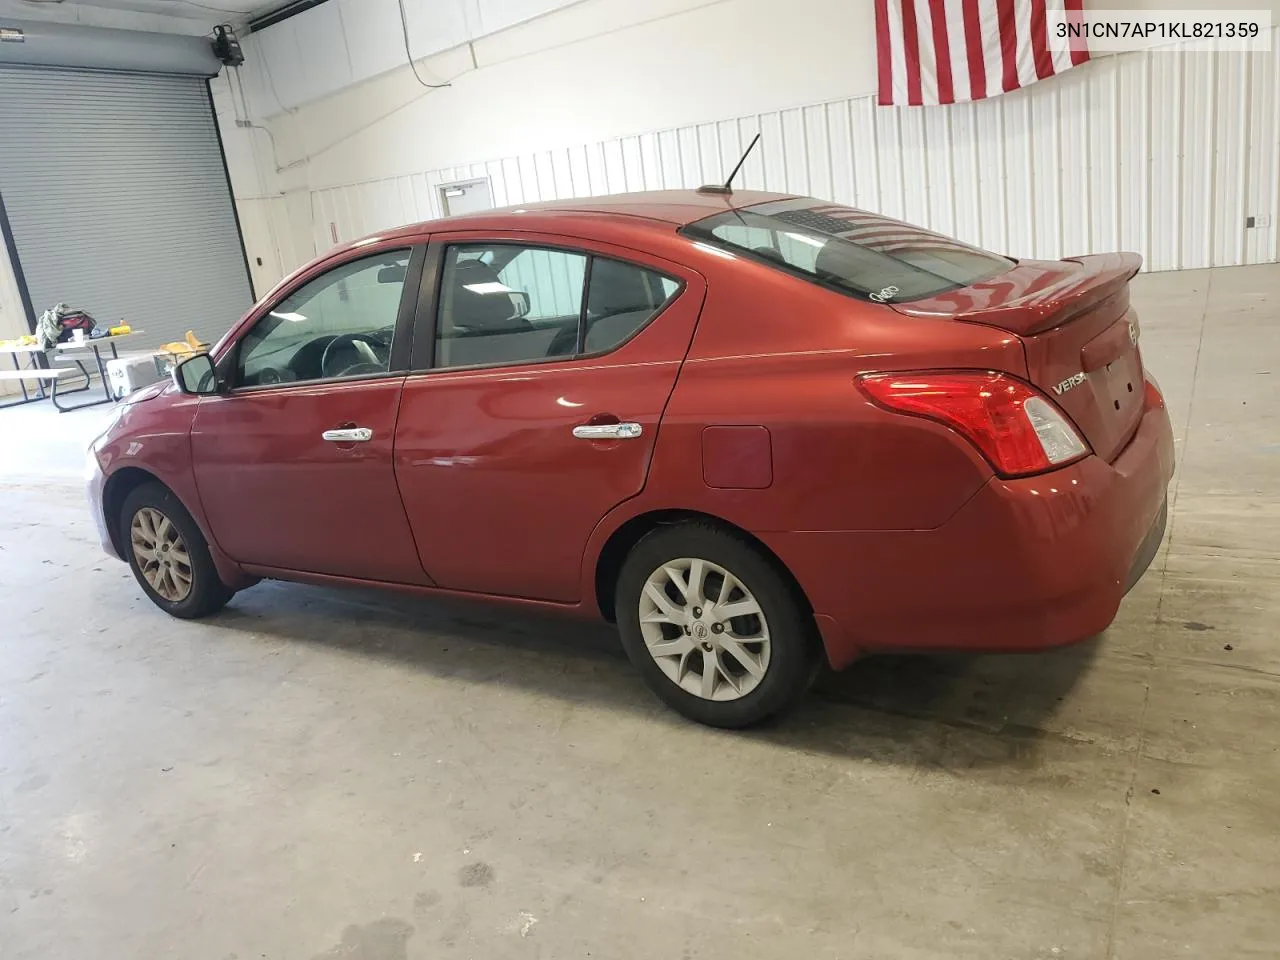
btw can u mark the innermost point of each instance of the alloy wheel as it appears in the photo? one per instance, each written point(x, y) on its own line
point(704, 629)
point(161, 554)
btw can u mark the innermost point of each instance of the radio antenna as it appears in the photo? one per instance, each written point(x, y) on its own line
point(727, 188)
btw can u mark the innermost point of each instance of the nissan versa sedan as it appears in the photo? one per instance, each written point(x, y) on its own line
point(760, 433)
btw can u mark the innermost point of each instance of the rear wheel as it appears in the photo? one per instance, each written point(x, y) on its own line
point(716, 630)
point(169, 555)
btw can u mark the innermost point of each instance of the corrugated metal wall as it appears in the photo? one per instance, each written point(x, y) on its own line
point(118, 200)
point(1165, 154)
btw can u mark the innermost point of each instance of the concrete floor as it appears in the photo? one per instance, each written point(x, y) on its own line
point(322, 774)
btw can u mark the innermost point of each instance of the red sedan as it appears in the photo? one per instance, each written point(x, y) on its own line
point(758, 432)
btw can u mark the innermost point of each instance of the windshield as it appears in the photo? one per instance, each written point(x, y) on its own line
point(850, 250)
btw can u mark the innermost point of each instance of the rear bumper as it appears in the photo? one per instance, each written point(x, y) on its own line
point(1149, 547)
point(1025, 564)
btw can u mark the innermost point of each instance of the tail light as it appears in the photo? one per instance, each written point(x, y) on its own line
point(1016, 427)
point(1151, 392)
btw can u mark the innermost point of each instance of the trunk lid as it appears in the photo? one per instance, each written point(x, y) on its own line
point(1078, 332)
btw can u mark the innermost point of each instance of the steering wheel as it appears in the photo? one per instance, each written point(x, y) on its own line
point(363, 344)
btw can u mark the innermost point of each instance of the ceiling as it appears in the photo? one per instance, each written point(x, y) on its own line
point(166, 16)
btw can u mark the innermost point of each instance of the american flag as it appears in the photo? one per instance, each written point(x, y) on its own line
point(871, 230)
point(951, 51)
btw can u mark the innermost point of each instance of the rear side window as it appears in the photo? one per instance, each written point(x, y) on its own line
point(505, 303)
point(620, 300)
point(850, 250)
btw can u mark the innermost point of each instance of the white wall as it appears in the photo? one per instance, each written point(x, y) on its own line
point(594, 69)
point(1162, 153)
point(13, 319)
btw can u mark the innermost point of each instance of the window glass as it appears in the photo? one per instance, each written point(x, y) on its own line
point(622, 299)
point(502, 303)
point(850, 250)
point(552, 279)
point(338, 325)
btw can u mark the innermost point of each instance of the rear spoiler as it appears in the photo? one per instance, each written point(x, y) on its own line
point(1034, 296)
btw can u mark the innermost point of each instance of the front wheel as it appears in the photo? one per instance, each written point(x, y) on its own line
point(169, 555)
point(716, 630)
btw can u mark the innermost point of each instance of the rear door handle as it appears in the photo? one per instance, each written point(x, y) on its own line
point(608, 431)
point(348, 435)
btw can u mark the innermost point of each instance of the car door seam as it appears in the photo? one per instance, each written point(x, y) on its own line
point(395, 477)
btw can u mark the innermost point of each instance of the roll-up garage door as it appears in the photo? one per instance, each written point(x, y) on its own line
point(118, 202)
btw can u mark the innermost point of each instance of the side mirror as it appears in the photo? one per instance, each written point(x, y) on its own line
point(196, 375)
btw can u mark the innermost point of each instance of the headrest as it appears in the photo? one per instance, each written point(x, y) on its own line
point(839, 261)
point(480, 300)
point(617, 288)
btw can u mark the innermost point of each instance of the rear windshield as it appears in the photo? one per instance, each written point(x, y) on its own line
point(849, 250)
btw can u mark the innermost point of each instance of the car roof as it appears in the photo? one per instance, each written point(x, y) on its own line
point(663, 208)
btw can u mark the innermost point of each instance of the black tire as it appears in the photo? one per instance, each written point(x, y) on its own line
point(207, 593)
point(795, 651)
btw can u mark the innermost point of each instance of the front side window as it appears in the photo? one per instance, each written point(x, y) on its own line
point(338, 325)
point(850, 250)
point(506, 303)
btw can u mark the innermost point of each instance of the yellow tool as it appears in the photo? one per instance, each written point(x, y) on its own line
point(191, 345)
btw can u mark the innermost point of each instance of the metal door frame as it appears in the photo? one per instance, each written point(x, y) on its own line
point(472, 182)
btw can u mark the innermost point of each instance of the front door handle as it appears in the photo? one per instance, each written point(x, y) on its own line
point(348, 435)
point(608, 431)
